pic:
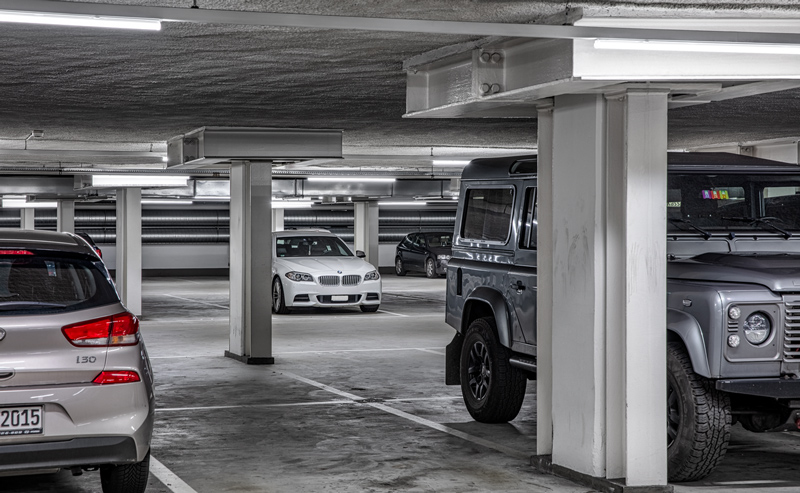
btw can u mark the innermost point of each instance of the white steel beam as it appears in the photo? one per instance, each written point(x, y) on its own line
point(251, 18)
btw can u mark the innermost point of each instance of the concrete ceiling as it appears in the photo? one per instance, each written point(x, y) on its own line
point(88, 86)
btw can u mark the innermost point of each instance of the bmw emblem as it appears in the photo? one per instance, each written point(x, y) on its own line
point(338, 272)
point(2, 334)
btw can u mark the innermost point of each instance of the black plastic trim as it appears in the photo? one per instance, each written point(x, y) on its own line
point(777, 388)
point(93, 451)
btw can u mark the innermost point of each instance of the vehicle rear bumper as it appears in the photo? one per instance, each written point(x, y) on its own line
point(90, 451)
point(777, 388)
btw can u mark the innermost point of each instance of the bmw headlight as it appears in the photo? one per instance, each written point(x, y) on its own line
point(299, 276)
point(443, 257)
point(757, 328)
point(372, 276)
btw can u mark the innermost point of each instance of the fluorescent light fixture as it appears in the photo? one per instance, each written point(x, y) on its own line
point(211, 198)
point(696, 46)
point(138, 181)
point(164, 159)
point(291, 204)
point(450, 162)
point(166, 202)
point(80, 20)
point(23, 204)
point(350, 179)
point(402, 202)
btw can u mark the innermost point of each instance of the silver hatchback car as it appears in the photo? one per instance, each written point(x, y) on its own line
point(76, 386)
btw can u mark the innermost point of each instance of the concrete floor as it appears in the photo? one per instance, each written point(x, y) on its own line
point(355, 403)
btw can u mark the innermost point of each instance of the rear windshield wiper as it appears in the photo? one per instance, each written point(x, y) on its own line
point(765, 222)
point(14, 305)
point(706, 234)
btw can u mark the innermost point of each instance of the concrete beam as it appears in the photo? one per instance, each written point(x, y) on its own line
point(27, 218)
point(65, 216)
point(366, 230)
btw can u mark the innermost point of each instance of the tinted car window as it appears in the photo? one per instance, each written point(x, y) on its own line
point(438, 241)
point(527, 237)
point(487, 215)
point(34, 284)
point(311, 246)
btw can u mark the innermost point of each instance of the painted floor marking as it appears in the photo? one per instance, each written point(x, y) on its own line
point(169, 478)
point(241, 406)
point(431, 351)
point(393, 313)
point(416, 419)
point(198, 301)
point(353, 350)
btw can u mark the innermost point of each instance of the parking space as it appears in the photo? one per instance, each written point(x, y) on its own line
point(355, 402)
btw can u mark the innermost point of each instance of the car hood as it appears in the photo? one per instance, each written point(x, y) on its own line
point(775, 271)
point(324, 265)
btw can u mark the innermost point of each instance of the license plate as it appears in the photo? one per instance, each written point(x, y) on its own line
point(339, 297)
point(27, 420)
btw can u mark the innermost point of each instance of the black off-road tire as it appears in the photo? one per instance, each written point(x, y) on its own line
point(399, 268)
point(698, 420)
point(369, 308)
point(126, 478)
point(278, 300)
point(493, 390)
point(430, 269)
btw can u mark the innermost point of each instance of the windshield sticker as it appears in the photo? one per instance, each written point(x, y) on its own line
point(715, 194)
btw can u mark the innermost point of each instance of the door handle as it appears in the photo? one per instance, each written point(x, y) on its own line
point(518, 286)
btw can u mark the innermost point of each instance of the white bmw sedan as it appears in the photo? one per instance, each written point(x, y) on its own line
point(315, 268)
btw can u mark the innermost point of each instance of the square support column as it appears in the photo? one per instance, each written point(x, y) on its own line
point(578, 289)
point(637, 287)
point(27, 218)
point(129, 248)
point(251, 264)
point(544, 283)
point(277, 219)
point(65, 216)
point(366, 230)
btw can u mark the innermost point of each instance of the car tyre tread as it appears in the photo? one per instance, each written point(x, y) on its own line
point(126, 478)
point(698, 449)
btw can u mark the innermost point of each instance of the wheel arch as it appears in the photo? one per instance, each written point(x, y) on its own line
point(684, 328)
point(487, 302)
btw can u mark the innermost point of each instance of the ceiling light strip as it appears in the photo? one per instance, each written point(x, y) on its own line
point(79, 20)
point(696, 47)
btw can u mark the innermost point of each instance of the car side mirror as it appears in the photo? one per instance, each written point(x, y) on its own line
point(360, 254)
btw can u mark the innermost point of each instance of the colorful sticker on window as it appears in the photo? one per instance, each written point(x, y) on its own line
point(715, 194)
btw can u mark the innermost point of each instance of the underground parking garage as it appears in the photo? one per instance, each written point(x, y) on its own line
point(620, 155)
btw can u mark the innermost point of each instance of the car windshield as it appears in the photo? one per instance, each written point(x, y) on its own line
point(34, 284)
point(438, 240)
point(702, 204)
point(311, 246)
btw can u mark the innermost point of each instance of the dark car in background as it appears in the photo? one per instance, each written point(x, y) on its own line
point(424, 252)
point(91, 243)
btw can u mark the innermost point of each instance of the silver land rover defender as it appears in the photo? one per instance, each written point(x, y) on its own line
point(733, 298)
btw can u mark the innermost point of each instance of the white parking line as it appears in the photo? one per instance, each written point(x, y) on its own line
point(354, 350)
point(240, 406)
point(416, 419)
point(393, 313)
point(198, 301)
point(431, 351)
point(169, 478)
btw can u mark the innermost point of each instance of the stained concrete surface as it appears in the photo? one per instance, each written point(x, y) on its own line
point(351, 405)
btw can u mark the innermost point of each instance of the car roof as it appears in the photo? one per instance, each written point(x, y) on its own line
point(299, 232)
point(42, 240)
point(689, 162)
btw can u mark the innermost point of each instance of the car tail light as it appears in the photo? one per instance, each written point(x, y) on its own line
point(99, 252)
point(121, 329)
point(16, 252)
point(109, 377)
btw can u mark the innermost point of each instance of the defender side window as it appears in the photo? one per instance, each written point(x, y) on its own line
point(527, 237)
point(487, 215)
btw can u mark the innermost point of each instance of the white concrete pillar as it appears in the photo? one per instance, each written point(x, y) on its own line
point(251, 264)
point(366, 230)
point(578, 304)
point(129, 248)
point(65, 216)
point(27, 218)
point(544, 283)
point(277, 219)
point(637, 275)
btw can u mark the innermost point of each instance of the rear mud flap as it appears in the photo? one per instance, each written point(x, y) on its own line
point(452, 369)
